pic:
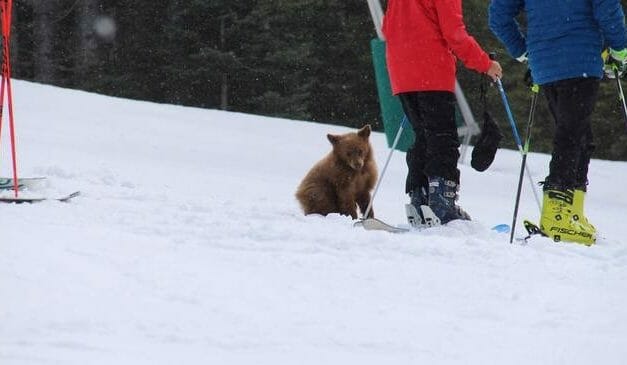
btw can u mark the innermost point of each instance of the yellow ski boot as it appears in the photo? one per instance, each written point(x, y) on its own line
point(578, 199)
point(561, 221)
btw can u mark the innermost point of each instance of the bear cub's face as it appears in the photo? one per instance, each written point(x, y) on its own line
point(352, 148)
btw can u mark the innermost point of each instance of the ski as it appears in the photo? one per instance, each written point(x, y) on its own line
point(7, 183)
point(20, 200)
point(374, 224)
point(417, 221)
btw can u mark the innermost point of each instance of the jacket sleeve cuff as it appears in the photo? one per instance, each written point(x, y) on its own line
point(485, 63)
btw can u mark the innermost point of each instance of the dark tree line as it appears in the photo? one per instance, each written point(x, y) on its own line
point(300, 59)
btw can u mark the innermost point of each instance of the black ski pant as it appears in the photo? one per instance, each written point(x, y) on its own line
point(436, 149)
point(571, 103)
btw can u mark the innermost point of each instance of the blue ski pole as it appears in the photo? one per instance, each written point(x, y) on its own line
point(512, 123)
point(510, 116)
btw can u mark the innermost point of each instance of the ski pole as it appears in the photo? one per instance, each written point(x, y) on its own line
point(534, 98)
point(512, 123)
point(387, 162)
point(621, 94)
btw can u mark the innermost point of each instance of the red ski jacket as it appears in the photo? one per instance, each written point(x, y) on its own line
point(423, 38)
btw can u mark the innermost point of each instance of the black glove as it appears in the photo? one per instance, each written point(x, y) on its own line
point(487, 144)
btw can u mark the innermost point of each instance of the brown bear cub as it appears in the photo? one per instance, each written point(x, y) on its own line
point(343, 179)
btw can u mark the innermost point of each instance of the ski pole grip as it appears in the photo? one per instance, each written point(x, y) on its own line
point(492, 55)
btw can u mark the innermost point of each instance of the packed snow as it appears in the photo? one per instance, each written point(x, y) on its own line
point(187, 246)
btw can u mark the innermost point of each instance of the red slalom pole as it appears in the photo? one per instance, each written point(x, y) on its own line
point(7, 8)
point(2, 99)
point(2, 88)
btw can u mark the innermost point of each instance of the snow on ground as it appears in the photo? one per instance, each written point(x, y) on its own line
point(188, 247)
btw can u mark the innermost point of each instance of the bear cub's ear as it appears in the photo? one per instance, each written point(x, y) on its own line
point(364, 132)
point(333, 139)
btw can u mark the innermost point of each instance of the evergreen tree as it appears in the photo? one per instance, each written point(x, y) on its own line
point(344, 89)
point(275, 43)
point(203, 60)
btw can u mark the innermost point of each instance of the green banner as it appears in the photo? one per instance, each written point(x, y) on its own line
point(391, 109)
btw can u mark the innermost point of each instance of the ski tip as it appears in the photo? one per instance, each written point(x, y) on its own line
point(374, 224)
point(502, 228)
point(20, 200)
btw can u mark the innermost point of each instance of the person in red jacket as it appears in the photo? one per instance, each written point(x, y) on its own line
point(424, 38)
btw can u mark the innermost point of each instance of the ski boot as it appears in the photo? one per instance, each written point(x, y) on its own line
point(578, 206)
point(560, 218)
point(419, 215)
point(442, 197)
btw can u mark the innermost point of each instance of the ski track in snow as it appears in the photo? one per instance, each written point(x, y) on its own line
point(187, 246)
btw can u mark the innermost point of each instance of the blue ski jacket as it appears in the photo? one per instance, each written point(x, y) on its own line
point(563, 38)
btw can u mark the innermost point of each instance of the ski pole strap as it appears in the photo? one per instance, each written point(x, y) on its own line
point(483, 86)
point(483, 94)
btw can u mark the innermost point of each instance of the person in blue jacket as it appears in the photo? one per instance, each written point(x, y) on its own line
point(562, 44)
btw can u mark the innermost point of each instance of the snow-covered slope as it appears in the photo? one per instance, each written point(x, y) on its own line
point(188, 247)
